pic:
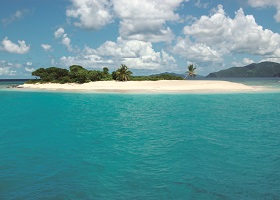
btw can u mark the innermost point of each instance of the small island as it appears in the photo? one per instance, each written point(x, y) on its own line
point(78, 74)
point(79, 79)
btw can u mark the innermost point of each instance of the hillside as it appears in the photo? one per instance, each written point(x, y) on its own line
point(263, 69)
point(180, 75)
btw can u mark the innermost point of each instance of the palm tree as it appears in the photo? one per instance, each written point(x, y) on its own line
point(190, 71)
point(123, 73)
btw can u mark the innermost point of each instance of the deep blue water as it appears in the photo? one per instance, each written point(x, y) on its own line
point(129, 146)
point(10, 83)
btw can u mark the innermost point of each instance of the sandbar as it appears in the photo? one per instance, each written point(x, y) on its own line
point(162, 86)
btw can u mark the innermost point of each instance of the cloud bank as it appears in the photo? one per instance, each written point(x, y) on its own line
point(211, 37)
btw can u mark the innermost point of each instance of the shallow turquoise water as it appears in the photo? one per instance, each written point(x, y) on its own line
point(125, 146)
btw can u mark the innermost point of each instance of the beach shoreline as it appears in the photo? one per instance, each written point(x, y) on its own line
point(162, 86)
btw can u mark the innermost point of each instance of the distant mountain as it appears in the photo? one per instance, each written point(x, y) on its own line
point(263, 69)
point(174, 74)
point(169, 73)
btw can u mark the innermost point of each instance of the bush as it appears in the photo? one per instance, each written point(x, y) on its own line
point(32, 81)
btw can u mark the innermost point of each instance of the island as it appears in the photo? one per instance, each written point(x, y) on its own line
point(78, 78)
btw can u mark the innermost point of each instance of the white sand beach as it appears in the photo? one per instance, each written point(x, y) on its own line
point(163, 86)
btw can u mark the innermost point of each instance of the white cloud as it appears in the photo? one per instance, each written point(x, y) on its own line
point(6, 71)
point(196, 52)
point(237, 64)
point(58, 33)
point(146, 20)
point(65, 40)
point(135, 54)
point(90, 14)
point(29, 69)
point(9, 46)
point(189, 19)
point(46, 47)
point(271, 59)
point(139, 19)
point(140, 30)
point(87, 61)
point(29, 63)
point(247, 61)
point(15, 16)
point(238, 35)
point(265, 3)
point(5, 68)
point(201, 5)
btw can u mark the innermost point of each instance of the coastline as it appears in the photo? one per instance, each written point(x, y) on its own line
point(162, 86)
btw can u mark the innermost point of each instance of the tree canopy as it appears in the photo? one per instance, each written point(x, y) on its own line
point(78, 74)
point(123, 73)
point(75, 74)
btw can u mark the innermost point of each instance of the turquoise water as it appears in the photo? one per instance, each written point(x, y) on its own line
point(127, 146)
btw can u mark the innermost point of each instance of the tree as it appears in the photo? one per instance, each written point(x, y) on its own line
point(78, 74)
point(191, 72)
point(123, 73)
point(114, 75)
point(105, 74)
point(51, 74)
point(95, 75)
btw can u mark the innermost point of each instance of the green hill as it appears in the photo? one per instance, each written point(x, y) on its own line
point(180, 75)
point(263, 69)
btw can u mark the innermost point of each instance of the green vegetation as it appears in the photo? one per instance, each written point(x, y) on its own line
point(263, 69)
point(190, 72)
point(123, 74)
point(78, 74)
point(158, 77)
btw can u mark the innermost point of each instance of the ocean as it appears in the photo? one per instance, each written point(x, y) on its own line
point(61, 145)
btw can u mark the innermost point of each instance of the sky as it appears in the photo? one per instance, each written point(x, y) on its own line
point(149, 36)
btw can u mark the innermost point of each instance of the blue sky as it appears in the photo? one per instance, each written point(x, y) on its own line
point(149, 36)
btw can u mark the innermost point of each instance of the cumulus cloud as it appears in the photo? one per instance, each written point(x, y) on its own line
point(197, 52)
point(9, 46)
point(88, 61)
point(146, 20)
point(65, 40)
point(46, 47)
point(136, 54)
point(90, 14)
point(266, 3)
point(139, 19)
point(222, 34)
